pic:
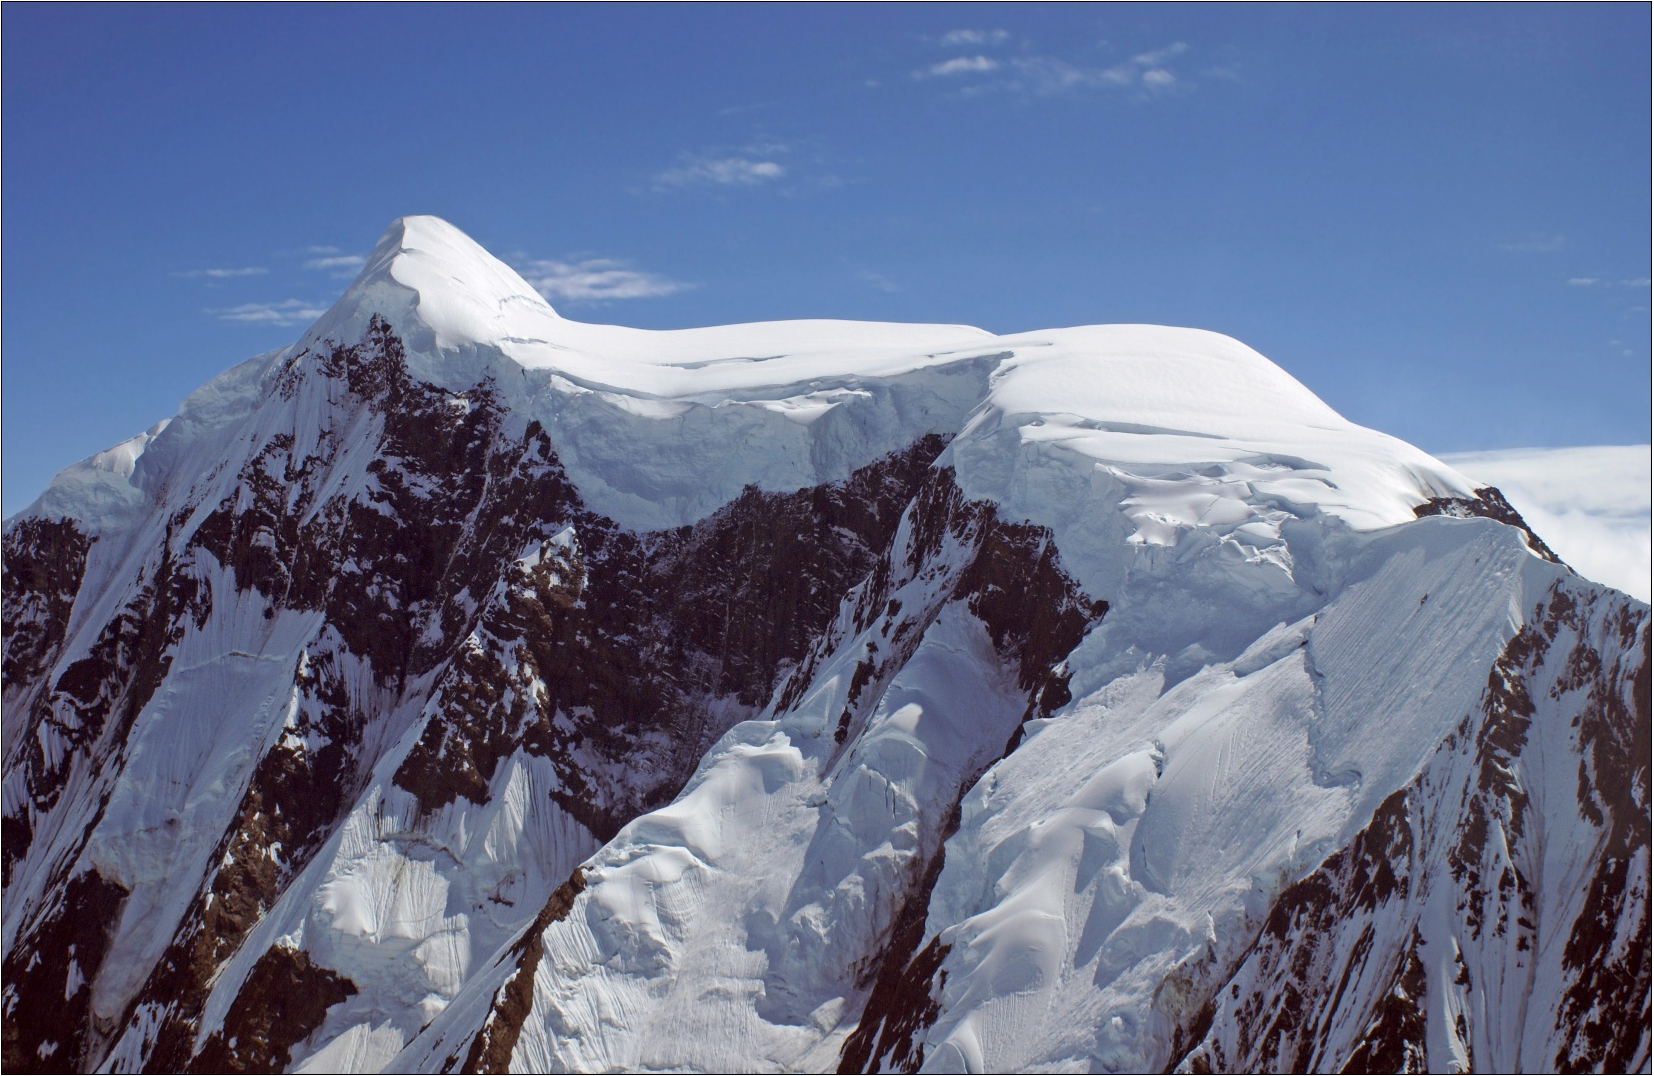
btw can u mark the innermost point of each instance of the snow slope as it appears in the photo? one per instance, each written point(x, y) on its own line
point(1139, 397)
point(1595, 504)
point(464, 687)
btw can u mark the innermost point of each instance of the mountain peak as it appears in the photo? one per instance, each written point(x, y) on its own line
point(1182, 419)
point(461, 292)
point(843, 693)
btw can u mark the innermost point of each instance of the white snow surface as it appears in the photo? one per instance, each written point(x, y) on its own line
point(661, 427)
point(1150, 825)
point(1593, 504)
point(1279, 655)
point(1143, 401)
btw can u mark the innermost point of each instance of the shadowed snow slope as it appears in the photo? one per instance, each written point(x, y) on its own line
point(468, 688)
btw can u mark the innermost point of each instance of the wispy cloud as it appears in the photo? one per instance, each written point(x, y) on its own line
point(337, 261)
point(222, 274)
point(288, 312)
point(750, 166)
point(959, 65)
point(1157, 57)
point(339, 266)
point(1048, 75)
point(1148, 71)
point(958, 38)
point(1597, 281)
point(1042, 75)
point(595, 280)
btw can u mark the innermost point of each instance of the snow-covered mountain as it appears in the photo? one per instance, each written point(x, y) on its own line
point(467, 688)
point(1595, 505)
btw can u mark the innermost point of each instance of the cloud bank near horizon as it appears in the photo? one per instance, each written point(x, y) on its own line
point(1591, 504)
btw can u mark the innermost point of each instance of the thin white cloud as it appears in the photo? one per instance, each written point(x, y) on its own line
point(959, 65)
point(1158, 57)
point(1048, 75)
point(1147, 70)
point(221, 274)
point(1594, 281)
point(751, 166)
point(337, 261)
point(1042, 76)
point(956, 38)
point(595, 280)
point(288, 312)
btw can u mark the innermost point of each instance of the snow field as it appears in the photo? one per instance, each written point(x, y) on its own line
point(1148, 828)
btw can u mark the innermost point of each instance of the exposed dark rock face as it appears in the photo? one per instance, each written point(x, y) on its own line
point(1352, 964)
point(86, 713)
point(903, 1001)
point(1035, 613)
point(398, 571)
point(291, 804)
point(491, 1050)
point(48, 1002)
point(615, 654)
point(44, 563)
point(607, 655)
point(1488, 503)
point(285, 998)
point(393, 573)
point(1607, 953)
point(1010, 578)
point(77, 732)
point(1304, 934)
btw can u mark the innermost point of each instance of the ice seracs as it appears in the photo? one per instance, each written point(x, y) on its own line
point(475, 688)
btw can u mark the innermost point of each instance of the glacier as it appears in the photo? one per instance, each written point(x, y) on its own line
point(467, 688)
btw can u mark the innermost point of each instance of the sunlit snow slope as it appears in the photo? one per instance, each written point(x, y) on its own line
point(467, 688)
point(1594, 504)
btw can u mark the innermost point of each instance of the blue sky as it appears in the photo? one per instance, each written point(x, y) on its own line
point(1436, 217)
